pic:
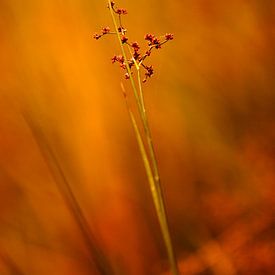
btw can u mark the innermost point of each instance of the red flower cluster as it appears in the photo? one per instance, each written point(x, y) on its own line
point(121, 11)
point(118, 58)
point(136, 57)
point(104, 31)
point(152, 40)
point(135, 46)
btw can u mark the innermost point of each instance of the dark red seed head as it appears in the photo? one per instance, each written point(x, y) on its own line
point(155, 41)
point(149, 37)
point(112, 4)
point(169, 36)
point(96, 36)
point(121, 11)
point(120, 58)
point(150, 71)
point(124, 39)
point(135, 46)
point(105, 30)
point(114, 59)
point(121, 30)
point(131, 63)
point(136, 55)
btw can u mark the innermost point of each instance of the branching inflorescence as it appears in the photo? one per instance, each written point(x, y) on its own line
point(143, 135)
point(137, 58)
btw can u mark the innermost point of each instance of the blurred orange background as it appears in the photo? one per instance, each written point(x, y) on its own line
point(211, 105)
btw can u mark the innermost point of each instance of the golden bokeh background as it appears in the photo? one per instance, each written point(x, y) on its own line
point(211, 105)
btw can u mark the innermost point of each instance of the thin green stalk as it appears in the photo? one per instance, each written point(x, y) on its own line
point(140, 92)
point(163, 222)
point(152, 175)
point(144, 156)
point(155, 186)
point(157, 195)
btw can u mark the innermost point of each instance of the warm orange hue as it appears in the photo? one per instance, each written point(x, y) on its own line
point(211, 106)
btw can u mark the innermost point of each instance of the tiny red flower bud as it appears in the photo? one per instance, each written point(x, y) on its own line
point(120, 58)
point(149, 37)
point(136, 55)
point(135, 46)
point(131, 63)
point(121, 11)
point(123, 66)
point(124, 39)
point(105, 30)
point(149, 72)
point(96, 36)
point(127, 76)
point(112, 4)
point(114, 59)
point(155, 41)
point(169, 36)
point(121, 30)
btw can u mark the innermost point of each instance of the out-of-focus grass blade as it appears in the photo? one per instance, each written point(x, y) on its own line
point(11, 265)
point(98, 258)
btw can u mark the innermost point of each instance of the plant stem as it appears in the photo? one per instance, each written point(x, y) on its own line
point(152, 174)
point(163, 218)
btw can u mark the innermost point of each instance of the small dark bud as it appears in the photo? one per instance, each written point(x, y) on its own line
point(105, 30)
point(97, 36)
point(112, 4)
point(121, 30)
point(122, 66)
point(136, 55)
point(121, 11)
point(169, 36)
point(124, 39)
point(118, 58)
point(149, 73)
point(149, 37)
point(155, 41)
point(131, 63)
point(114, 59)
point(135, 46)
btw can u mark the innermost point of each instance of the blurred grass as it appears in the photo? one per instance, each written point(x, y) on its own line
point(211, 107)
